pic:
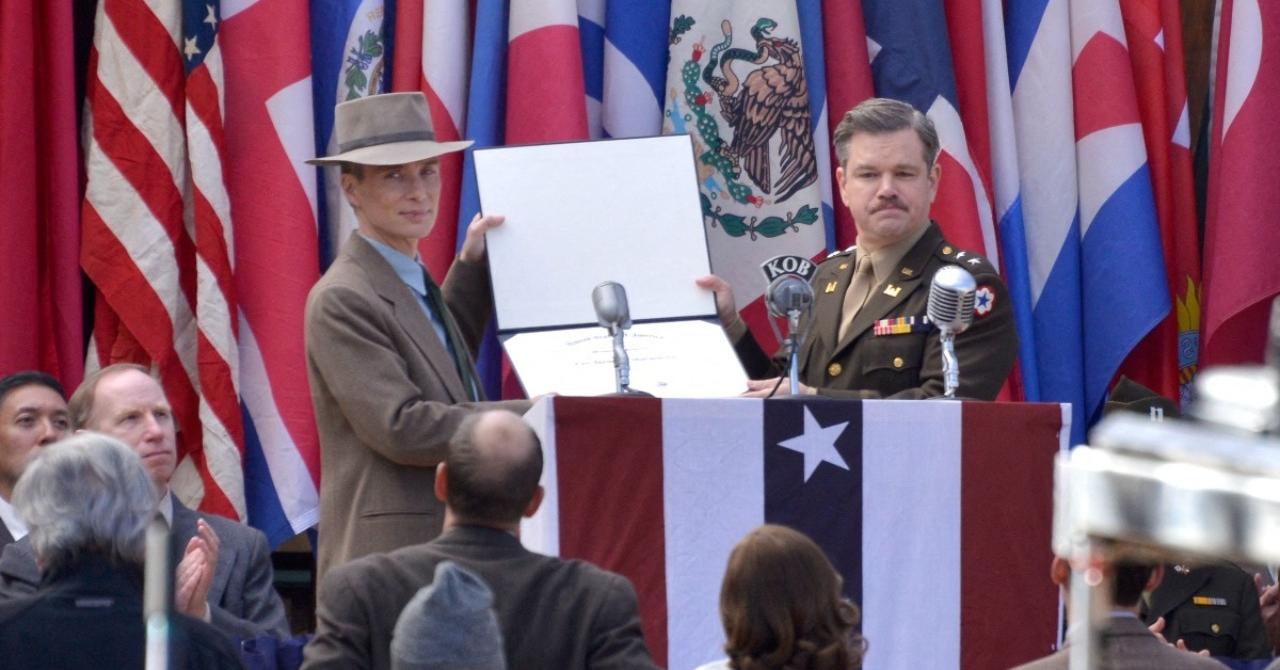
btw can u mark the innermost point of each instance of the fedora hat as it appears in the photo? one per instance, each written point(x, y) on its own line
point(386, 129)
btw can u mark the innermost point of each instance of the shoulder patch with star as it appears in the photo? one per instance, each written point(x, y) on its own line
point(984, 300)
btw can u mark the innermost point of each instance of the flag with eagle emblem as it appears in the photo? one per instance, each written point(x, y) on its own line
point(736, 83)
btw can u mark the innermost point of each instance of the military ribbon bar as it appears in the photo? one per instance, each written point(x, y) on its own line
point(902, 325)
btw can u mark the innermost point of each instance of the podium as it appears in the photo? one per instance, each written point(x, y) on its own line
point(936, 513)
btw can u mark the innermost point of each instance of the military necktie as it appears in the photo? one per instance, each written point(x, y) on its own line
point(856, 296)
point(457, 346)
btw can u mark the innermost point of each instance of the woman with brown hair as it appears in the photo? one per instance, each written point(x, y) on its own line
point(782, 609)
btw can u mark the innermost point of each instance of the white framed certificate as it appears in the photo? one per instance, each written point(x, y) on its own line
point(582, 213)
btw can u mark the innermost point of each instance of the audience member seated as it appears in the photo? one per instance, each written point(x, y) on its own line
point(87, 502)
point(33, 413)
point(554, 614)
point(781, 607)
point(1127, 644)
point(449, 625)
point(1208, 606)
point(239, 598)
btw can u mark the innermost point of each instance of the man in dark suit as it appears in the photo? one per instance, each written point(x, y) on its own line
point(223, 574)
point(1126, 642)
point(33, 413)
point(867, 336)
point(389, 354)
point(89, 502)
point(554, 614)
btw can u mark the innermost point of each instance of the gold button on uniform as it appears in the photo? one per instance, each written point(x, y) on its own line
point(946, 250)
point(898, 362)
point(1215, 628)
point(835, 369)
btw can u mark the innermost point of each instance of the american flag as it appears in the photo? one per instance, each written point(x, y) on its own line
point(157, 238)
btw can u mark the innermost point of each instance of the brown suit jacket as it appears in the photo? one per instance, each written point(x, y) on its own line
point(866, 365)
point(1128, 645)
point(554, 614)
point(387, 397)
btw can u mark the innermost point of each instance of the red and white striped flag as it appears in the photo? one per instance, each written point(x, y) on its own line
point(156, 227)
point(913, 502)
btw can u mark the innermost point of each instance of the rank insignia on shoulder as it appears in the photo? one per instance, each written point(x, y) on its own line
point(902, 325)
point(1210, 601)
point(984, 300)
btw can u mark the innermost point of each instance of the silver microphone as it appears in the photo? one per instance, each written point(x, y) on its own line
point(950, 308)
point(788, 294)
point(612, 312)
point(610, 302)
point(791, 296)
point(951, 297)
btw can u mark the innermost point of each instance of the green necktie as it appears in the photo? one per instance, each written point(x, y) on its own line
point(457, 347)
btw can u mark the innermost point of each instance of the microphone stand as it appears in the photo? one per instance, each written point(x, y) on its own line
point(950, 364)
point(157, 602)
point(621, 362)
point(793, 348)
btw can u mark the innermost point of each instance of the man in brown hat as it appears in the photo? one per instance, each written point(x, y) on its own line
point(389, 353)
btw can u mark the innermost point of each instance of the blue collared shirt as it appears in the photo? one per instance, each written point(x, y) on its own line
point(410, 272)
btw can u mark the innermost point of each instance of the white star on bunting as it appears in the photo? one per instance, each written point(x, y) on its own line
point(818, 444)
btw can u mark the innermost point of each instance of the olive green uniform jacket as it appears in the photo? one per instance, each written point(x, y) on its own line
point(867, 364)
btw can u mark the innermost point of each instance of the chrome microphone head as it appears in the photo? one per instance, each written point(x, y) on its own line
point(788, 293)
point(610, 302)
point(951, 297)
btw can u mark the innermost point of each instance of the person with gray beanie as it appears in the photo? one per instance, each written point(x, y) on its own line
point(449, 625)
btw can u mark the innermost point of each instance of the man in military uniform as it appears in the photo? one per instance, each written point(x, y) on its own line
point(1207, 606)
point(867, 336)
